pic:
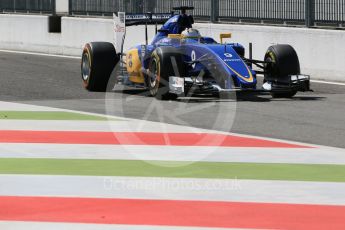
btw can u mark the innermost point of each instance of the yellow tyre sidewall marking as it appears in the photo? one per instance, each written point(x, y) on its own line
point(87, 51)
point(158, 67)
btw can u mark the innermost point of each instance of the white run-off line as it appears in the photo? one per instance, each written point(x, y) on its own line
point(40, 54)
point(159, 188)
point(8, 225)
point(120, 125)
point(10, 106)
point(328, 82)
point(175, 153)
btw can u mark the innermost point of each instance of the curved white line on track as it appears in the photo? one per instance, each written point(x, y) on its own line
point(175, 153)
point(287, 192)
point(131, 126)
point(10, 106)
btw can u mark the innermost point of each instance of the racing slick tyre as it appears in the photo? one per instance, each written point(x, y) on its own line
point(98, 62)
point(164, 62)
point(283, 62)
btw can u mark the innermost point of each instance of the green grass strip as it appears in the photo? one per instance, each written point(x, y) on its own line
point(48, 115)
point(289, 172)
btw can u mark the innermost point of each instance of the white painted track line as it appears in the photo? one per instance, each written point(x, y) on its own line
point(120, 125)
point(39, 54)
point(8, 225)
point(328, 82)
point(175, 153)
point(288, 192)
point(10, 106)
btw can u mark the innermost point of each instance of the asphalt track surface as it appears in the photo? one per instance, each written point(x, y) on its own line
point(314, 117)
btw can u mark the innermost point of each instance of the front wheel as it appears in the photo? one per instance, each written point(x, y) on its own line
point(165, 62)
point(98, 62)
point(282, 63)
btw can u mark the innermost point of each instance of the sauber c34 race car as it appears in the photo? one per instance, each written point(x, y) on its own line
point(180, 64)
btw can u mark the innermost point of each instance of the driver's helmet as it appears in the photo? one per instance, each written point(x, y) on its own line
point(191, 33)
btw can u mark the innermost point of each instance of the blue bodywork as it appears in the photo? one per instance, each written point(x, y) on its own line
point(227, 57)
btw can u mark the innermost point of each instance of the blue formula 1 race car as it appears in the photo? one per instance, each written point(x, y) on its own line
point(180, 62)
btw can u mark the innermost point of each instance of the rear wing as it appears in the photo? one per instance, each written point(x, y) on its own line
point(123, 20)
point(147, 19)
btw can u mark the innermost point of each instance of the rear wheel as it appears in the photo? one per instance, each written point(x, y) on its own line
point(98, 61)
point(163, 64)
point(283, 62)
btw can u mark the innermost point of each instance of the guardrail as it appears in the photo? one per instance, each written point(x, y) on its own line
point(308, 12)
point(329, 11)
point(265, 10)
point(27, 6)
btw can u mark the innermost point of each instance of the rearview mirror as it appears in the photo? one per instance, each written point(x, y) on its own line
point(224, 35)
